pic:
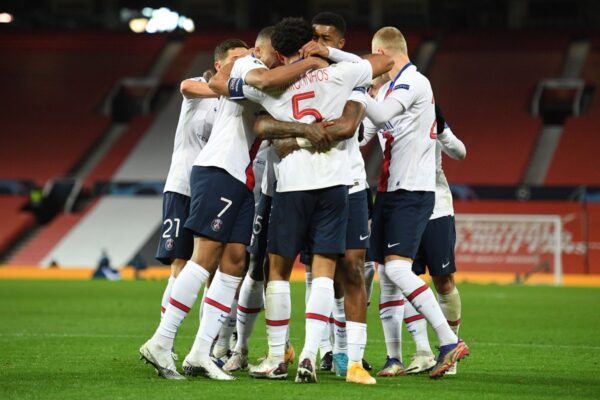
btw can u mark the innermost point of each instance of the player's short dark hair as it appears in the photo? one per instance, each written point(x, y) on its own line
point(290, 35)
point(226, 45)
point(266, 33)
point(331, 19)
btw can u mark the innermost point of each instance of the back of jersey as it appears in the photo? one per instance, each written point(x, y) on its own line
point(232, 144)
point(318, 95)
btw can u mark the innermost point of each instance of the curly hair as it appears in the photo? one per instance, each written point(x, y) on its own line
point(290, 35)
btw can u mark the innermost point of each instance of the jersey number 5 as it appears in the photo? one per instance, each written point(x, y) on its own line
point(298, 114)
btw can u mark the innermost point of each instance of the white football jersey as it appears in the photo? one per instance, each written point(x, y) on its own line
point(233, 144)
point(408, 139)
point(452, 146)
point(317, 95)
point(270, 176)
point(260, 167)
point(193, 131)
point(357, 163)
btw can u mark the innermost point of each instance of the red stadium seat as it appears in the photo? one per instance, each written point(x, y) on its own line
point(484, 84)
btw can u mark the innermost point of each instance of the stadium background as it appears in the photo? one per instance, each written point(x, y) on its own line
point(88, 114)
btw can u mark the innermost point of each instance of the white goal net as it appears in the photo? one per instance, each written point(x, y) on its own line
point(523, 244)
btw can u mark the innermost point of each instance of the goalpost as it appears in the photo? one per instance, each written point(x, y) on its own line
point(510, 242)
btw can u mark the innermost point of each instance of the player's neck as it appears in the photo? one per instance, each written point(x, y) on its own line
point(294, 58)
point(400, 61)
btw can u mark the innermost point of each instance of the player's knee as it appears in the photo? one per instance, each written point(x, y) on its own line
point(443, 284)
point(354, 274)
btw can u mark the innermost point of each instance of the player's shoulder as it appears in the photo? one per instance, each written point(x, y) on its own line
point(350, 65)
point(248, 61)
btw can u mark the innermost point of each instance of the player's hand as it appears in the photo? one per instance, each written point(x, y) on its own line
point(313, 48)
point(284, 147)
point(319, 137)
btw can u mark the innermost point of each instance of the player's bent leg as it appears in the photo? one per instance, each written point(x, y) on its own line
point(449, 299)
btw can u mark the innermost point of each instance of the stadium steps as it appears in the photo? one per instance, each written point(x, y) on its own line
point(551, 133)
point(41, 240)
point(14, 221)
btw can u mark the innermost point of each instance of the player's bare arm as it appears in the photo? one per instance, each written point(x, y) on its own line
point(192, 89)
point(268, 127)
point(381, 64)
point(265, 79)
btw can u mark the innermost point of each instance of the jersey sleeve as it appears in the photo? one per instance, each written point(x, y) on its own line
point(359, 95)
point(244, 65)
point(406, 93)
point(370, 130)
point(253, 94)
point(451, 145)
point(356, 74)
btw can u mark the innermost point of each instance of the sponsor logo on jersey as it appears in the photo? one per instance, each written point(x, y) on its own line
point(169, 244)
point(216, 224)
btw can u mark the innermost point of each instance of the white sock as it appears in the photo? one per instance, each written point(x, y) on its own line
point(202, 302)
point(224, 336)
point(217, 306)
point(340, 344)
point(369, 275)
point(391, 306)
point(183, 296)
point(417, 327)
point(420, 295)
point(166, 295)
point(357, 340)
point(308, 286)
point(250, 304)
point(451, 307)
point(318, 310)
point(278, 309)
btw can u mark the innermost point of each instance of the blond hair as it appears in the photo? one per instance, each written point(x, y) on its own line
point(391, 39)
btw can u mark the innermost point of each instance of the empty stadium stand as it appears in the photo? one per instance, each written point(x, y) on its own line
point(484, 84)
point(575, 161)
point(14, 221)
point(54, 83)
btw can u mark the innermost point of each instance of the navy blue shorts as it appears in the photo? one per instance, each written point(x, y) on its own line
point(175, 241)
point(222, 207)
point(357, 231)
point(399, 220)
point(436, 251)
point(314, 218)
point(260, 229)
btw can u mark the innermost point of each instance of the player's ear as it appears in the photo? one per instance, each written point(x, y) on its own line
point(280, 57)
point(217, 65)
point(342, 43)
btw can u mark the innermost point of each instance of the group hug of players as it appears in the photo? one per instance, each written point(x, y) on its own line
point(288, 117)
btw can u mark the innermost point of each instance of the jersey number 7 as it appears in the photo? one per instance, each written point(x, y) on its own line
point(298, 114)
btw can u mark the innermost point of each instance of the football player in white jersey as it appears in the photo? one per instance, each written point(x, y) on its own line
point(193, 131)
point(404, 112)
point(311, 201)
point(436, 253)
point(221, 212)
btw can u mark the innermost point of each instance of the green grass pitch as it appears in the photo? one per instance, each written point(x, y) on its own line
point(79, 340)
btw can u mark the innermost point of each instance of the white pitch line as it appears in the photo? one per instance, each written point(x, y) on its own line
point(120, 336)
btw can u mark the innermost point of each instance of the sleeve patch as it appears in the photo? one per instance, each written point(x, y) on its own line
point(402, 86)
point(360, 89)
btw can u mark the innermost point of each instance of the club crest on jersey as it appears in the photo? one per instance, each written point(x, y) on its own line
point(169, 244)
point(216, 224)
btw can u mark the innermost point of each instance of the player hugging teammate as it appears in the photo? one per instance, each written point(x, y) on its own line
point(300, 102)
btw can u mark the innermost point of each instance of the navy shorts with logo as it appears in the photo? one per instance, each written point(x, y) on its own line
point(260, 229)
point(222, 207)
point(314, 218)
point(357, 231)
point(175, 241)
point(436, 251)
point(399, 220)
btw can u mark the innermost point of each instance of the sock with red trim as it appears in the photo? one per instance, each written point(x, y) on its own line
point(318, 310)
point(451, 306)
point(340, 343)
point(278, 310)
point(420, 295)
point(217, 306)
point(250, 304)
point(391, 306)
point(166, 295)
point(417, 327)
point(183, 295)
point(224, 336)
point(357, 340)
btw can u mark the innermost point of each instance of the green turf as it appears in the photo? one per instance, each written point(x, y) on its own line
point(79, 340)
